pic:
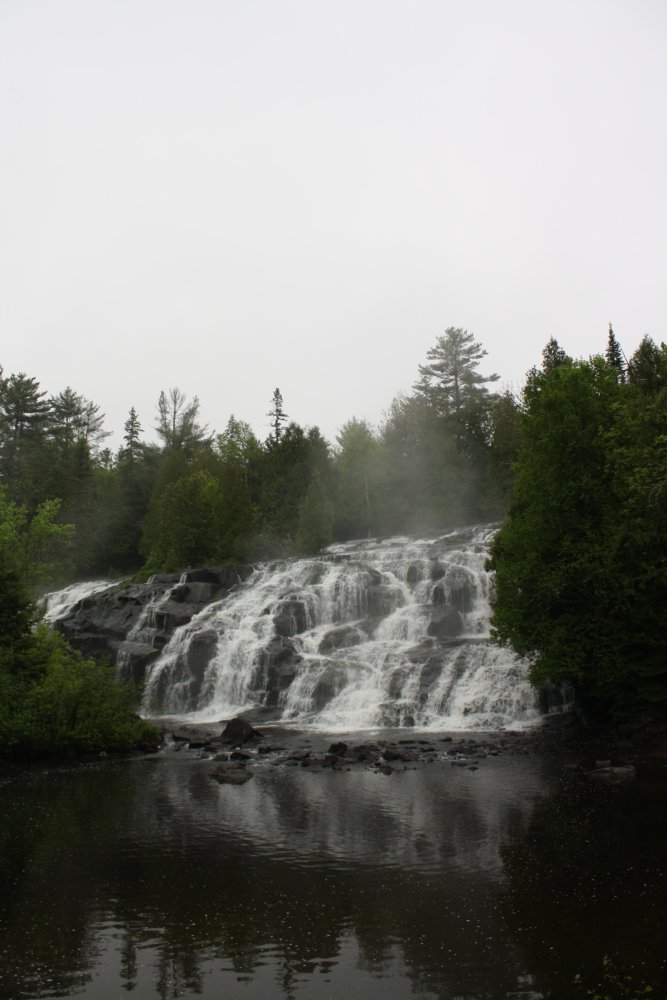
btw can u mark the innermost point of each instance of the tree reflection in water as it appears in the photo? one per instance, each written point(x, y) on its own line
point(147, 877)
point(588, 879)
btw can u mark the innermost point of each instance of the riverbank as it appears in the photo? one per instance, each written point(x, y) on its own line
point(236, 749)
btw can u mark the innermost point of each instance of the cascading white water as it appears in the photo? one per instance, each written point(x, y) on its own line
point(346, 641)
point(59, 603)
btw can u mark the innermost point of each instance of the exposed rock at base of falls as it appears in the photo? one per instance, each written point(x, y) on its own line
point(103, 623)
point(238, 731)
point(137, 656)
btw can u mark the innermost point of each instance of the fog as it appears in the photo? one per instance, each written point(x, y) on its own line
point(234, 197)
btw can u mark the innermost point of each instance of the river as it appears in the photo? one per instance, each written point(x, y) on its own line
point(145, 877)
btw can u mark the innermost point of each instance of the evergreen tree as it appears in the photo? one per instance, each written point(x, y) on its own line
point(277, 414)
point(614, 356)
point(132, 438)
point(647, 368)
point(24, 414)
point(450, 381)
point(553, 355)
point(178, 424)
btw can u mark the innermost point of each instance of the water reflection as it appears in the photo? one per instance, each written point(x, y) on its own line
point(148, 877)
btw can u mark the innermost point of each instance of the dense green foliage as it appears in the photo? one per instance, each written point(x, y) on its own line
point(442, 456)
point(51, 701)
point(581, 562)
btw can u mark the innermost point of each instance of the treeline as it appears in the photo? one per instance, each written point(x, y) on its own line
point(442, 456)
point(581, 561)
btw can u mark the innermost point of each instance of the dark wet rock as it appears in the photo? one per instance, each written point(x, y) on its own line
point(279, 651)
point(386, 769)
point(384, 599)
point(205, 576)
point(97, 623)
point(173, 614)
point(389, 754)
point(461, 587)
point(238, 731)
point(301, 754)
point(279, 662)
point(436, 569)
point(375, 575)
point(290, 617)
point(200, 652)
point(329, 684)
point(338, 749)
point(231, 772)
point(195, 593)
point(415, 572)
point(285, 625)
point(239, 755)
point(446, 622)
point(341, 637)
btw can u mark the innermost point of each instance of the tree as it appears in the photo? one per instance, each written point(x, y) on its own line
point(237, 445)
point(358, 465)
point(72, 419)
point(132, 438)
point(28, 543)
point(553, 355)
point(647, 368)
point(188, 523)
point(315, 517)
point(277, 414)
point(24, 413)
point(614, 356)
point(581, 562)
point(178, 425)
point(450, 381)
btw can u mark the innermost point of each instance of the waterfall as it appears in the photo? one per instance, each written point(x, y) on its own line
point(376, 633)
point(58, 603)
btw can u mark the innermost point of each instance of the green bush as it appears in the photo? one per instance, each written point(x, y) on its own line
point(74, 707)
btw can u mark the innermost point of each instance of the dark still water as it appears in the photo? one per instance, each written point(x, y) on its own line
point(146, 877)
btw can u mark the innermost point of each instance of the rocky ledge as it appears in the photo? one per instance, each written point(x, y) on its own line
point(235, 753)
point(131, 623)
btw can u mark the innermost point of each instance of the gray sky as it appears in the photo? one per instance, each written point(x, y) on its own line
point(233, 195)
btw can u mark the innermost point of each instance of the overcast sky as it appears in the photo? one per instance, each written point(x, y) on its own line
point(234, 195)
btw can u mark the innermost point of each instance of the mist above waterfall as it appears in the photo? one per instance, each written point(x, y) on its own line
point(370, 634)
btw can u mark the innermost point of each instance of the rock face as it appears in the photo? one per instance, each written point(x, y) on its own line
point(130, 624)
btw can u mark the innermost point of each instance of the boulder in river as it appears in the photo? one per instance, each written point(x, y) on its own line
point(238, 731)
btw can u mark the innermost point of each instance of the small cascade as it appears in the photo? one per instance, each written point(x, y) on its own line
point(59, 603)
point(145, 635)
point(376, 633)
